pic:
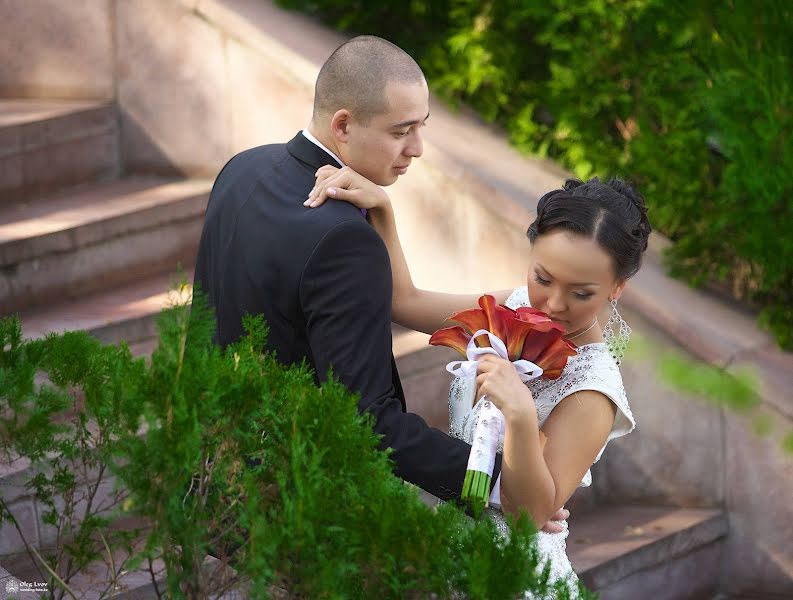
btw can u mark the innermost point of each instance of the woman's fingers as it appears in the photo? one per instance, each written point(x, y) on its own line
point(497, 379)
point(326, 170)
point(322, 175)
point(334, 181)
point(345, 184)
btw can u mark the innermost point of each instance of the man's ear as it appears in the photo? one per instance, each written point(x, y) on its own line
point(340, 124)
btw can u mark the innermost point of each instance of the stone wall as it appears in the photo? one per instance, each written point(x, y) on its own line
point(57, 49)
point(686, 451)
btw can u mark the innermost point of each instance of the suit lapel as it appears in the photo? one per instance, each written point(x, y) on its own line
point(309, 153)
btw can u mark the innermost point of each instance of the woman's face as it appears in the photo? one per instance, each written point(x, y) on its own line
point(570, 278)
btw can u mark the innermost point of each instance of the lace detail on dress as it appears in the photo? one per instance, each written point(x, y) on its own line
point(552, 547)
point(519, 297)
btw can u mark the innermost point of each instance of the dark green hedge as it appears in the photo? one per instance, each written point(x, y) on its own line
point(691, 100)
point(231, 453)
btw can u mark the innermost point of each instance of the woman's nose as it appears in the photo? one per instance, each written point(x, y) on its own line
point(556, 304)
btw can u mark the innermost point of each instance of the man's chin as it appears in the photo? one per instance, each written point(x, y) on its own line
point(388, 180)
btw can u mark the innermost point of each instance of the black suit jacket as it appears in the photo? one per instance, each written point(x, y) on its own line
point(322, 279)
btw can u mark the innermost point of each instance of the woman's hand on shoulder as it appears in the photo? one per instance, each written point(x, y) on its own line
point(345, 184)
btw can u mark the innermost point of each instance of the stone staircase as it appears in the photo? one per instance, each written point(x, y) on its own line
point(84, 245)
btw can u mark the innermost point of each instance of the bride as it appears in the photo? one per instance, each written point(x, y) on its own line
point(586, 242)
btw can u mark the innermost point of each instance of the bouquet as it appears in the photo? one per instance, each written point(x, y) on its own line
point(531, 341)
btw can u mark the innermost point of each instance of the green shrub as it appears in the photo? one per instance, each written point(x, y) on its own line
point(230, 452)
point(690, 100)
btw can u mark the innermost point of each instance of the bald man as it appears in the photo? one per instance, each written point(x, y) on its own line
point(322, 278)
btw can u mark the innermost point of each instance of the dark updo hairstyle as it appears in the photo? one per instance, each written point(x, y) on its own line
point(611, 213)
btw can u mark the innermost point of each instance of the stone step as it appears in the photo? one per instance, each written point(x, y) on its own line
point(20, 501)
point(128, 313)
point(7, 584)
point(46, 145)
point(96, 236)
point(28, 510)
point(122, 313)
point(94, 581)
point(422, 369)
point(626, 552)
point(97, 581)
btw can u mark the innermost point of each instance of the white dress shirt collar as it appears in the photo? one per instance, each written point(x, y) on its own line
point(315, 141)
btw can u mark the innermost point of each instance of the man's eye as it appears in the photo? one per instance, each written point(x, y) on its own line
point(401, 133)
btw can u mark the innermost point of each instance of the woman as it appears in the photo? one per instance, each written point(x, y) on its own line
point(586, 242)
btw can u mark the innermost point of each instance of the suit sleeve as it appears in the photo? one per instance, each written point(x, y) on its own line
point(345, 293)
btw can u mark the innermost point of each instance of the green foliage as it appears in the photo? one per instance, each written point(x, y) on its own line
point(788, 443)
point(690, 100)
point(231, 453)
point(64, 426)
point(737, 390)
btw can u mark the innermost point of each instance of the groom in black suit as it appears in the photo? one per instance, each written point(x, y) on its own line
point(322, 278)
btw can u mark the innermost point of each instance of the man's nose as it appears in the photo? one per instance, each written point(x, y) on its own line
point(415, 147)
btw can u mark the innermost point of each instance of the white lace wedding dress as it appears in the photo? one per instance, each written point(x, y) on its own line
point(592, 369)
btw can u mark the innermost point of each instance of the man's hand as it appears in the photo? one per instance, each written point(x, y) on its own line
point(345, 184)
point(553, 526)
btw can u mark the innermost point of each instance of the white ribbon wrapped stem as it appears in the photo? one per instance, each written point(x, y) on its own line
point(490, 425)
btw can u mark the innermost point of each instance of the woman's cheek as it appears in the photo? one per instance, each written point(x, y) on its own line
point(537, 297)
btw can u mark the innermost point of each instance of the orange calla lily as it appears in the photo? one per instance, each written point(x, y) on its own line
point(518, 331)
point(537, 342)
point(527, 333)
point(541, 321)
point(453, 337)
point(497, 316)
point(472, 320)
point(553, 359)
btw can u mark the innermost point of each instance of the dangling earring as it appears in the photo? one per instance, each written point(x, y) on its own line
point(616, 343)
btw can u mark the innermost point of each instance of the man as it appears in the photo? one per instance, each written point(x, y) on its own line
point(322, 278)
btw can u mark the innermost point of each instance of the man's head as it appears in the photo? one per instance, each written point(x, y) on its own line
point(370, 101)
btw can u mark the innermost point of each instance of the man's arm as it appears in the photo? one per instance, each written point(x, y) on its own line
point(345, 294)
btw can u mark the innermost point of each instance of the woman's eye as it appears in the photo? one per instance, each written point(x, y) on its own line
point(541, 281)
point(582, 296)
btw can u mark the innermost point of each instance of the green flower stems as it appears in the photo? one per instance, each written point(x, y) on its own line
point(476, 491)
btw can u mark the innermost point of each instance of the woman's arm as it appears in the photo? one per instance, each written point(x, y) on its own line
point(535, 478)
point(414, 308)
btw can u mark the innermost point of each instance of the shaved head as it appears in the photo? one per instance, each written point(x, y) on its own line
point(356, 74)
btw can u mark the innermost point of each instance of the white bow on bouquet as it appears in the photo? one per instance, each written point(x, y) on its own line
point(490, 424)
